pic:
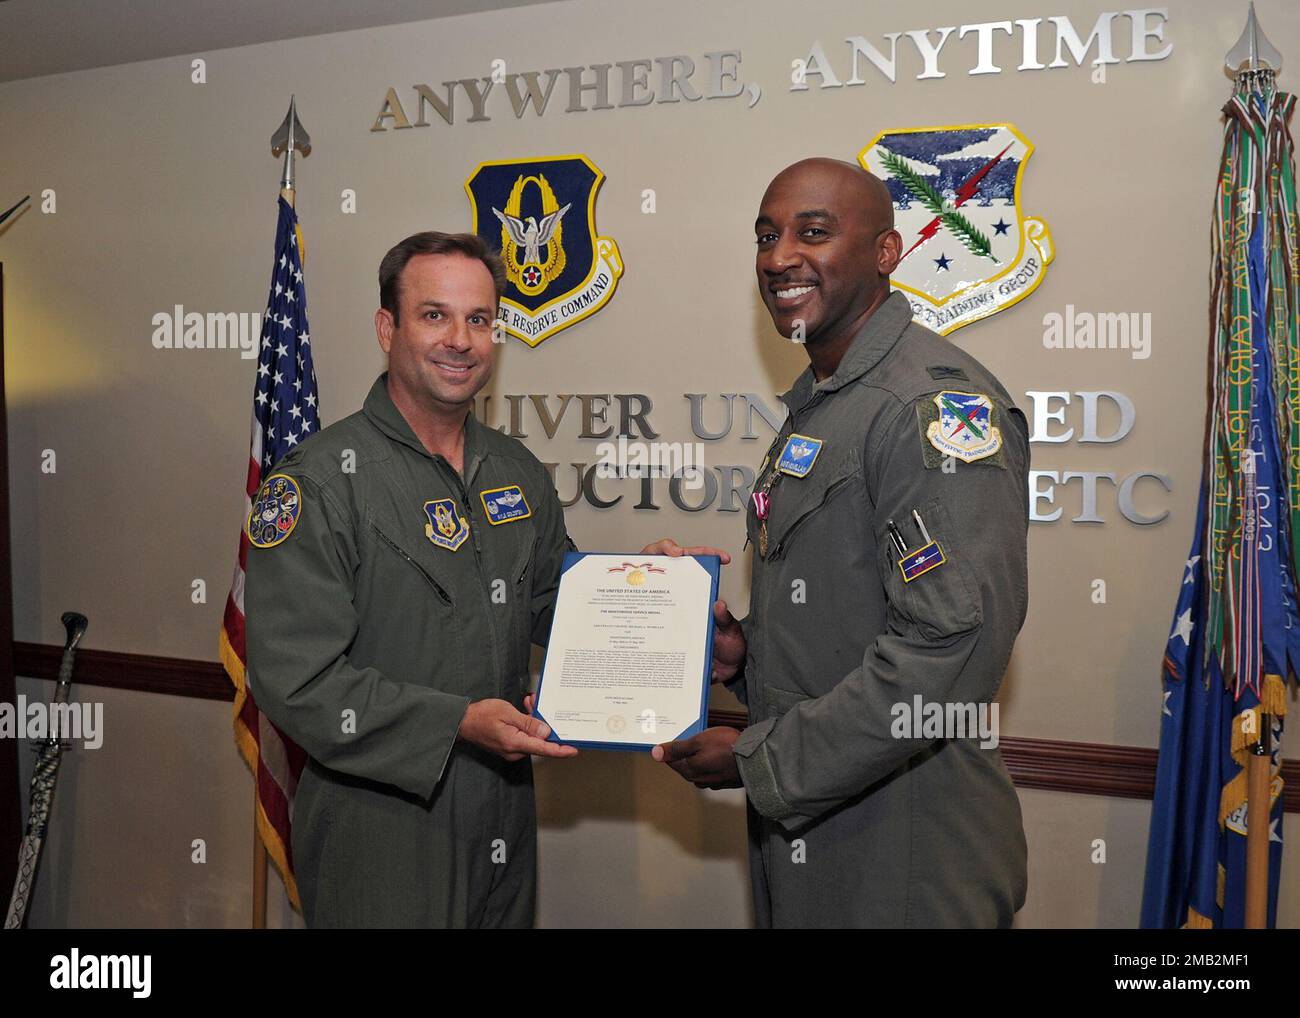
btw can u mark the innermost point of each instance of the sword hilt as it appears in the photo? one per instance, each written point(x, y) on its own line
point(75, 624)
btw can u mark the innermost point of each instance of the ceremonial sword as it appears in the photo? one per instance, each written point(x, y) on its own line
point(43, 779)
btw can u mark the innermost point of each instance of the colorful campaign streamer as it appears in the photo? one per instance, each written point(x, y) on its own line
point(1235, 640)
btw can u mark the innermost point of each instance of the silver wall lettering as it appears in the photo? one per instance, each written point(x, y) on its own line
point(1129, 508)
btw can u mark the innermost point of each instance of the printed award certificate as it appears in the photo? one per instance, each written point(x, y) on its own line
point(631, 650)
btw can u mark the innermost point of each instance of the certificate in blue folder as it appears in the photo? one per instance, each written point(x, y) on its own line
point(630, 655)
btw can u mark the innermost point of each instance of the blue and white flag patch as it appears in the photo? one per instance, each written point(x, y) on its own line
point(505, 504)
point(799, 455)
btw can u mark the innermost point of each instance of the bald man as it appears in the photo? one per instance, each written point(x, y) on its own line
point(889, 523)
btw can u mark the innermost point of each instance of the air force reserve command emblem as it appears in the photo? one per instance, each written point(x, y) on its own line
point(968, 249)
point(960, 424)
point(505, 504)
point(446, 527)
point(540, 214)
point(275, 511)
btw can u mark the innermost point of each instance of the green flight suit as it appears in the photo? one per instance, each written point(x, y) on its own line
point(851, 825)
point(366, 643)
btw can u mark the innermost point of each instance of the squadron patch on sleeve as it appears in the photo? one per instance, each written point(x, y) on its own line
point(275, 511)
point(505, 504)
point(960, 425)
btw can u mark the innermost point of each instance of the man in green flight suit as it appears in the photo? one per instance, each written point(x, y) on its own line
point(389, 626)
point(889, 522)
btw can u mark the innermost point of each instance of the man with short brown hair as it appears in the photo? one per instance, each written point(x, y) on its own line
point(390, 620)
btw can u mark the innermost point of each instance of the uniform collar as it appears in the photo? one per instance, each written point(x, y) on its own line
point(875, 339)
point(383, 413)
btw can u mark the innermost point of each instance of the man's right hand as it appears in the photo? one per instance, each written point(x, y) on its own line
point(496, 726)
point(728, 644)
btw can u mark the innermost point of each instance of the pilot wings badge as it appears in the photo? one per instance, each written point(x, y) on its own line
point(540, 214)
point(968, 249)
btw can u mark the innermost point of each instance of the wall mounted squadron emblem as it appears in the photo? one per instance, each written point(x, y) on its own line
point(540, 214)
point(968, 249)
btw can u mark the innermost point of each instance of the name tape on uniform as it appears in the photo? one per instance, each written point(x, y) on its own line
point(799, 455)
point(921, 561)
point(504, 505)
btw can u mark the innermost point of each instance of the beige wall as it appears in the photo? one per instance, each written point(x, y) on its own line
point(166, 196)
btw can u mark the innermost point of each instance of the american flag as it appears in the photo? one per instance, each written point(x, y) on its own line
point(285, 412)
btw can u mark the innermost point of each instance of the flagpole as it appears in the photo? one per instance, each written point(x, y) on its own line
point(287, 139)
point(259, 868)
point(1258, 808)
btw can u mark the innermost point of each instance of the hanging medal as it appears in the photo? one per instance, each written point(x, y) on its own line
point(762, 508)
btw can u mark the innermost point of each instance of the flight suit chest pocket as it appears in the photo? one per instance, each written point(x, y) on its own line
point(942, 598)
point(380, 534)
point(800, 502)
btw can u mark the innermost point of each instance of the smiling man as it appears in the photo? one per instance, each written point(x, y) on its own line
point(889, 524)
point(390, 618)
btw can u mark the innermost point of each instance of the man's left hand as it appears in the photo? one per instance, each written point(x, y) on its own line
point(706, 759)
point(667, 546)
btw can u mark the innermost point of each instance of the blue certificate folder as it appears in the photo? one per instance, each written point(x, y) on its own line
point(713, 566)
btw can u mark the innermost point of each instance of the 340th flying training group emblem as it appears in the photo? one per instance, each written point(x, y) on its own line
point(968, 249)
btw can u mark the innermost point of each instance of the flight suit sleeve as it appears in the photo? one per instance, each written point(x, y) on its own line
point(298, 600)
point(949, 631)
point(552, 542)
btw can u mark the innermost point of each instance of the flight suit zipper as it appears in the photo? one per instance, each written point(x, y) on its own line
point(484, 585)
point(768, 591)
point(782, 436)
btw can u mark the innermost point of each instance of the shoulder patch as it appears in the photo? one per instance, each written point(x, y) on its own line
point(275, 511)
point(961, 425)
